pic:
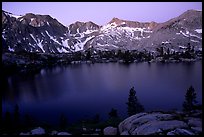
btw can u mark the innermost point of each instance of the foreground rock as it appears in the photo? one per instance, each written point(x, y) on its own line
point(41, 131)
point(38, 131)
point(110, 131)
point(158, 123)
point(63, 133)
point(26, 133)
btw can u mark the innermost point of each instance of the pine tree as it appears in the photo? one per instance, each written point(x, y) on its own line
point(28, 121)
point(168, 51)
point(96, 118)
point(63, 122)
point(7, 122)
point(88, 55)
point(16, 114)
point(113, 113)
point(190, 99)
point(133, 104)
point(114, 119)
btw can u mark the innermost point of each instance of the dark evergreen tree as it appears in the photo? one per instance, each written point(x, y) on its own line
point(119, 54)
point(133, 104)
point(127, 57)
point(189, 47)
point(113, 113)
point(192, 49)
point(63, 122)
point(168, 51)
point(149, 56)
point(16, 114)
point(28, 121)
point(162, 51)
point(96, 118)
point(7, 121)
point(190, 99)
point(88, 55)
point(113, 119)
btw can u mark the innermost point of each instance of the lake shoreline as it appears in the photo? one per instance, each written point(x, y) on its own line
point(26, 63)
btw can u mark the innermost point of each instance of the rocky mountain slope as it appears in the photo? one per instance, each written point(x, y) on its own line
point(42, 33)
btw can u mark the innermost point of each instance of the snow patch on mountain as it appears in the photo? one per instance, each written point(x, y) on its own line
point(185, 34)
point(62, 50)
point(65, 43)
point(12, 15)
point(194, 40)
point(33, 38)
point(108, 26)
point(10, 49)
point(90, 31)
point(198, 30)
point(40, 45)
point(51, 37)
point(32, 19)
point(80, 46)
point(3, 34)
point(107, 45)
point(192, 35)
point(166, 42)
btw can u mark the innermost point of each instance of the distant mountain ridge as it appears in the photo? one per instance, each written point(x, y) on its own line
point(42, 33)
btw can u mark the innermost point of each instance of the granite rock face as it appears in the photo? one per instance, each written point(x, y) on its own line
point(160, 123)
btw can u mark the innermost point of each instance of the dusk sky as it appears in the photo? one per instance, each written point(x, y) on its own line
point(102, 12)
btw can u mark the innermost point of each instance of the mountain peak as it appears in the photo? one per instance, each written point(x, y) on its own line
point(191, 12)
point(116, 20)
point(11, 14)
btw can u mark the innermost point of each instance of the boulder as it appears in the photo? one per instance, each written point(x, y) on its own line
point(110, 131)
point(196, 130)
point(131, 123)
point(195, 122)
point(63, 133)
point(127, 123)
point(98, 130)
point(91, 134)
point(171, 133)
point(38, 131)
point(124, 133)
point(54, 132)
point(179, 131)
point(196, 113)
point(153, 127)
point(22, 133)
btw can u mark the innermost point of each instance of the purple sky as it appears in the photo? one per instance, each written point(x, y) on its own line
point(102, 12)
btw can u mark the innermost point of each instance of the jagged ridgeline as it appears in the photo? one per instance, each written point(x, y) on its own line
point(44, 34)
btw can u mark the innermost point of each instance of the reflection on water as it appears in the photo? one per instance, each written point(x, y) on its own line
point(86, 89)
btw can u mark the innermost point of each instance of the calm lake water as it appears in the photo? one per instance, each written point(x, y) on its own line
point(83, 90)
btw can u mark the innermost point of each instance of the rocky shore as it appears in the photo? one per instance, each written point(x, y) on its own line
point(145, 123)
point(24, 62)
point(159, 123)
